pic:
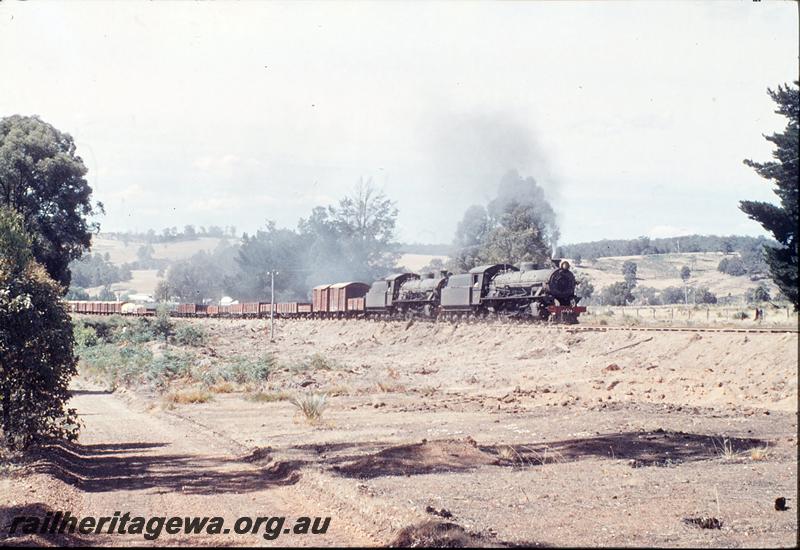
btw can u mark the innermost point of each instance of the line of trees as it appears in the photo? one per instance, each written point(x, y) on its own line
point(747, 247)
point(97, 270)
point(173, 234)
point(353, 240)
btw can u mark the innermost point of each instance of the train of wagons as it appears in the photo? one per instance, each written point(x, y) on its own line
point(528, 291)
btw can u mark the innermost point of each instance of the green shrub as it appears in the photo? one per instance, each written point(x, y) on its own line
point(315, 362)
point(84, 336)
point(190, 335)
point(117, 366)
point(244, 370)
point(133, 365)
point(116, 328)
point(167, 367)
point(139, 332)
point(757, 294)
point(163, 327)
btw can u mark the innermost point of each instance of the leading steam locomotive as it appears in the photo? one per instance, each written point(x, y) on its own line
point(526, 292)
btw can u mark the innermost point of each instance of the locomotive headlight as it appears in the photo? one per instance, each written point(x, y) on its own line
point(564, 265)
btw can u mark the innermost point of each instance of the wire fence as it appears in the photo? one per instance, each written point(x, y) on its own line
point(698, 314)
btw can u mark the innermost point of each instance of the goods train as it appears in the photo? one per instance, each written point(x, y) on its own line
point(528, 292)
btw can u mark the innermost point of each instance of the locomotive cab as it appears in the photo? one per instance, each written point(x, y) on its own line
point(383, 293)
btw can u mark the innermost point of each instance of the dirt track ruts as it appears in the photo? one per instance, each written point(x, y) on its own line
point(161, 465)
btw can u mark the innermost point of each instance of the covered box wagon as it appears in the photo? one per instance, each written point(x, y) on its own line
point(341, 292)
point(320, 296)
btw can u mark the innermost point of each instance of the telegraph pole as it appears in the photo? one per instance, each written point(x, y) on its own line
point(272, 274)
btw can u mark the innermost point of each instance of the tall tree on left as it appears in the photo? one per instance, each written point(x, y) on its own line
point(36, 344)
point(43, 179)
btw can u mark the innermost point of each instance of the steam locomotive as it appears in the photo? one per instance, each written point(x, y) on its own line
point(527, 292)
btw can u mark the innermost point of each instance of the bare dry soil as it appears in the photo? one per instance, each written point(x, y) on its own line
point(447, 434)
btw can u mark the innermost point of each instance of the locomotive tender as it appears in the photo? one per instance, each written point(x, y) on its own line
point(530, 292)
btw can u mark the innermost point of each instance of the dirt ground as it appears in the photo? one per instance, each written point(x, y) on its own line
point(499, 435)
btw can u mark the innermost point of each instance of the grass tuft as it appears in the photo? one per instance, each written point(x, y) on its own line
point(186, 397)
point(268, 397)
point(759, 453)
point(389, 387)
point(222, 386)
point(725, 449)
point(311, 405)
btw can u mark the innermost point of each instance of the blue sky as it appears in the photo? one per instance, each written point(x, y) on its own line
point(635, 117)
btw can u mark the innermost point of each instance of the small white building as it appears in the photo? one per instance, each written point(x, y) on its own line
point(140, 298)
point(227, 301)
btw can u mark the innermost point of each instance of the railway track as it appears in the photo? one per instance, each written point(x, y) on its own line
point(596, 328)
point(609, 328)
point(546, 326)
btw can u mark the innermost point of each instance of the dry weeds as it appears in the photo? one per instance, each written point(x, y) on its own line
point(311, 405)
point(188, 396)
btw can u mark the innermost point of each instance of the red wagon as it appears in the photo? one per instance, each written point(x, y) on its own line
point(341, 293)
point(320, 299)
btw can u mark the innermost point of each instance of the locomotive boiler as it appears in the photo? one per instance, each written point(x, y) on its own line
point(505, 290)
point(421, 296)
point(536, 291)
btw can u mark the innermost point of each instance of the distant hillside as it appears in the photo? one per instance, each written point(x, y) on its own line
point(126, 251)
point(670, 245)
point(659, 271)
point(145, 270)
